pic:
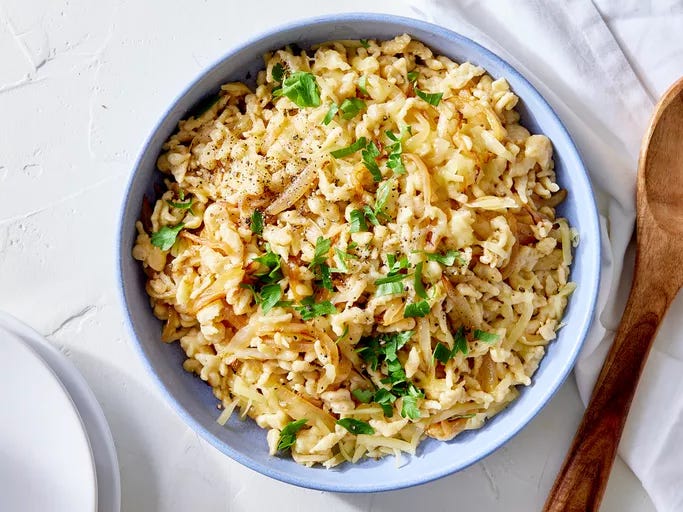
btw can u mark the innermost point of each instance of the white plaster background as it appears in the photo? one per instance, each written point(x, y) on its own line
point(81, 84)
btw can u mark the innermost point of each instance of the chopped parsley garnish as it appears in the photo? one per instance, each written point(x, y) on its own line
point(460, 342)
point(272, 262)
point(383, 349)
point(166, 236)
point(350, 150)
point(318, 265)
point(257, 222)
point(300, 87)
point(393, 282)
point(395, 161)
point(409, 407)
point(278, 72)
point(181, 206)
point(359, 218)
point(364, 43)
point(342, 256)
point(344, 334)
point(396, 265)
point(447, 259)
point(486, 337)
point(351, 107)
point(384, 398)
point(412, 75)
point(417, 283)
point(288, 434)
point(322, 248)
point(371, 215)
point(374, 350)
point(415, 309)
point(268, 297)
point(357, 221)
point(309, 309)
point(334, 108)
point(356, 426)
point(364, 396)
point(369, 154)
point(363, 84)
point(444, 354)
point(389, 285)
point(382, 196)
point(431, 98)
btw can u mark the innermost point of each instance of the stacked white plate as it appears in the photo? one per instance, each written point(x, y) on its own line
point(56, 451)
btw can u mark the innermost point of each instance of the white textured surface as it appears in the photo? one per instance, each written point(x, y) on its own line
point(81, 85)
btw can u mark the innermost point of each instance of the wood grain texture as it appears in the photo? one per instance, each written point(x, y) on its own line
point(658, 276)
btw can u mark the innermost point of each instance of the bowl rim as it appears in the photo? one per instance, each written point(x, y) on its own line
point(592, 221)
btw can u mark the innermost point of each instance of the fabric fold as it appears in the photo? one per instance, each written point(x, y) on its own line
point(571, 56)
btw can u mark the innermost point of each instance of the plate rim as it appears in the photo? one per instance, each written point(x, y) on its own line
point(90, 411)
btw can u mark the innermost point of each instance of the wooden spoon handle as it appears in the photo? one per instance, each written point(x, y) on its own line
point(581, 482)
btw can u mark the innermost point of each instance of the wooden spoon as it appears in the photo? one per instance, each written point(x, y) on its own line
point(657, 278)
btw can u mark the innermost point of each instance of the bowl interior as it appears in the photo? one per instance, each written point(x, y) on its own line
point(244, 440)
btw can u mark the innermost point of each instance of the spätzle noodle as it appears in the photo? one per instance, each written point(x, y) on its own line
point(368, 235)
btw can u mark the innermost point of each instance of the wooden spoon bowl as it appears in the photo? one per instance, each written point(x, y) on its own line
point(657, 278)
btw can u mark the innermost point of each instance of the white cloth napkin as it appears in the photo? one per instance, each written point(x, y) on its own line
point(568, 52)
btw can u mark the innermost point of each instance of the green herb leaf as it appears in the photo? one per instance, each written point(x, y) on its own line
point(357, 221)
point(409, 407)
point(350, 107)
point(364, 43)
point(288, 434)
point(412, 75)
point(302, 88)
point(362, 85)
point(384, 398)
point(415, 309)
point(393, 278)
point(166, 236)
point(395, 161)
point(486, 337)
point(325, 276)
point(309, 309)
point(382, 195)
point(369, 154)
point(356, 426)
point(364, 396)
point(388, 289)
point(396, 265)
point(442, 353)
point(273, 263)
point(431, 98)
point(270, 295)
point(278, 72)
point(257, 222)
point(350, 150)
point(322, 249)
point(341, 258)
point(371, 215)
point(460, 342)
point(417, 283)
point(334, 108)
point(344, 334)
point(447, 259)
point(180, 206)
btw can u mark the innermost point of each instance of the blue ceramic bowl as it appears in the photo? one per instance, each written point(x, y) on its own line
point(245, 441)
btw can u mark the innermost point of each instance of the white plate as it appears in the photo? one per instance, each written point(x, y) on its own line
point(45, 457)
point(101, 441)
